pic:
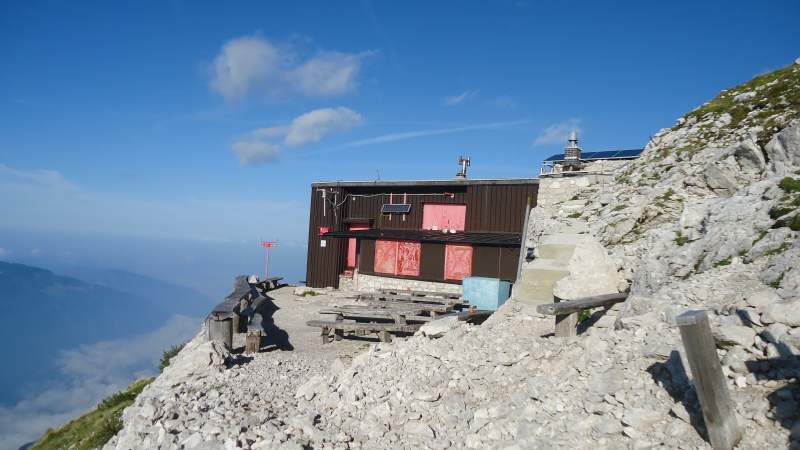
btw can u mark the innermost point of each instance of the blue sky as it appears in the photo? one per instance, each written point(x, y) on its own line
point(206, 122)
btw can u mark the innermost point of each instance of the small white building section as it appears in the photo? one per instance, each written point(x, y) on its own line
point(564, 174)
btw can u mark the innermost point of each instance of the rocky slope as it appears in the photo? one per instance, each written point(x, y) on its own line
point(707, 218)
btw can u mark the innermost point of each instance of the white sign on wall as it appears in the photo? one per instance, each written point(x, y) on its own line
point(323, 243)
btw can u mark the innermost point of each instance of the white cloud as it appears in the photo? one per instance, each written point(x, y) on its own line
point(35, 178)
point(3, 252)
point(252, 64)
point(90, 373)
point(458, 99)
point(261, 146)
point(254, 152)
point(557, 133)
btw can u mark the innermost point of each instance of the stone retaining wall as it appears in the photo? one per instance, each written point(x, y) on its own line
point(371, 283)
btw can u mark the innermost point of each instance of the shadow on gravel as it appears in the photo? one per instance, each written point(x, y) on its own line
point(785, 400)
point(274, 338)
point(672, 376)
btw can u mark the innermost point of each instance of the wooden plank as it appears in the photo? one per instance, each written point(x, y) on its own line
point(709, 381)
point(576, 306)
point(252, 343)
point(373, 311)
point(353, 326)
point(428, 307)
point(412, 299)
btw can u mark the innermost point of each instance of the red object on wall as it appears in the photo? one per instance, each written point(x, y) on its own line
point(457, 262)
point(351, 243)
point(385, 257)
point(441, 216)
point(323, 230)
point(408, 258)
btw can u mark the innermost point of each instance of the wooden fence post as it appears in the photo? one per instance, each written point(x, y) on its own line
point(709, 381)
point(220, 329)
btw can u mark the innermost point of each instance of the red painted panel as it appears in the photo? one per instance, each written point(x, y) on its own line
point(408, 258)
point(385, 257)
point(452, 217)
point(351, 243)
point(457, 262)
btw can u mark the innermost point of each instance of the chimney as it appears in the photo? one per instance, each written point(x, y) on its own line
point(464, 163)
point(572, 152)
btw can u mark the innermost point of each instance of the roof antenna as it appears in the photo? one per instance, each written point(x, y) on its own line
point(377, 171)
point(464, 163)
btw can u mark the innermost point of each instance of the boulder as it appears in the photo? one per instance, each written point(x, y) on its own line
point(437, 328)
point(731, 335)
point(787, 313)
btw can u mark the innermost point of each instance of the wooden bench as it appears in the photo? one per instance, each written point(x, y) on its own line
point(567, 312)
point(419, 293)
point(412, 299)
point(384, 330)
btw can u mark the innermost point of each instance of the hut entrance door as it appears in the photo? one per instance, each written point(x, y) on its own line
point(351, 243)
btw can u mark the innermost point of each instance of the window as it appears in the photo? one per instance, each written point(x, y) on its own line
point(438, 216)
point(397, 257)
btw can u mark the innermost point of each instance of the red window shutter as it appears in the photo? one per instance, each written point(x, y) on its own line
point(408, 258)
point(441, 216)
point(385, 257)
point(457, 262)
point(351, 243)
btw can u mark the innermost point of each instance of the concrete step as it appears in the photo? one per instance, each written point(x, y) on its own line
point(533, 294)
point(559, 252)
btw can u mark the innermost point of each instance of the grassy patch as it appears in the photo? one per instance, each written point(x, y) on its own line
point(789, 185)
point(619, 207)
point(310, 294)
point(93, 429)
point(794, 223)
point(574, 215)
point(723, 262)
point(681, 240)
point(779, 211)
point(167, 355)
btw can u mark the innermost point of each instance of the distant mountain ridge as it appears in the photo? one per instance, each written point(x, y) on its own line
point(47, 313)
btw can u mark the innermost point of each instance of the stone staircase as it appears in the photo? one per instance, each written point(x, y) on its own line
point(556, 259)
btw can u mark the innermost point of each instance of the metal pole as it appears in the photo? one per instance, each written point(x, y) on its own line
point(522, 241)
point(266, 264)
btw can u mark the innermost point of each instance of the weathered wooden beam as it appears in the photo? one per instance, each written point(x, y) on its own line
point(375, 327)
point(709, 381)
point(576, 306)
point(220, 329)
point(252, 342)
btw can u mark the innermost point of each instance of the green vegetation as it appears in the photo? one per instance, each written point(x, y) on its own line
point(761, 235)
point(584, 315)
point(310, 294)
point(779, 211)
point(574, 215)
point(620, 207)
point(790, 185)
point(794, 223)
point(167, 355)
point(681, 240)
point(93, 429)
point(723, 262)
point(778, 250)
point(776, 283)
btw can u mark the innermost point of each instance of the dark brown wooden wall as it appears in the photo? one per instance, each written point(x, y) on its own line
point(490, 208)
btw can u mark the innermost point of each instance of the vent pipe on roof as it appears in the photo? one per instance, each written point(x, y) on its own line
point(464, 163)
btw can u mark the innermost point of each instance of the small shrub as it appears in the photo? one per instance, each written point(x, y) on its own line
point(789, 184)
point(681, 240)
point(619, 207)
point(794, 223)
point(167, 355)
point(310, 294)
point(779, 211)
point(584, 315)
point(574, 215)
point(723, 262)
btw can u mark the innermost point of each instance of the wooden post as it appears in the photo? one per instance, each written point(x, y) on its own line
point(252, 343)
point(712, 389)
point(385, 336)
point(567, 325)
point(220, 329)
point(324, 334)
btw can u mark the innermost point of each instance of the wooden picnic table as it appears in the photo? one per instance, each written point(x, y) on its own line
point(382, 329)
point(412, 298)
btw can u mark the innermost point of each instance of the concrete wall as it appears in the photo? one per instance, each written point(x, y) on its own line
point(371, 283)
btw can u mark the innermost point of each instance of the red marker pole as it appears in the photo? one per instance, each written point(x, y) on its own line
point(267, 246)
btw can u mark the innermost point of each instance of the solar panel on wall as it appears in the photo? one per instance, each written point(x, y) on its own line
point(395, 208)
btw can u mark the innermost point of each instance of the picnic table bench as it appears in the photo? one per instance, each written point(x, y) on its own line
point(418, 293)
point(412, 298)
point(567, 312)
point(362, 328)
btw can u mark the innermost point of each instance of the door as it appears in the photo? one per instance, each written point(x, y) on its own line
point(351, 243)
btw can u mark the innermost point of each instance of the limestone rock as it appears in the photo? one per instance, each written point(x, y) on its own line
point(437, 328)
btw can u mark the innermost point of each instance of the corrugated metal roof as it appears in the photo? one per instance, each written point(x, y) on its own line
point(452, 182)
point(459, 237)
point(608, 154)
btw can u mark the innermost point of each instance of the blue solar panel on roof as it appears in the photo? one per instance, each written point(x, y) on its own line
point(606, 154)
point(557, 157)
point(629, 153)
